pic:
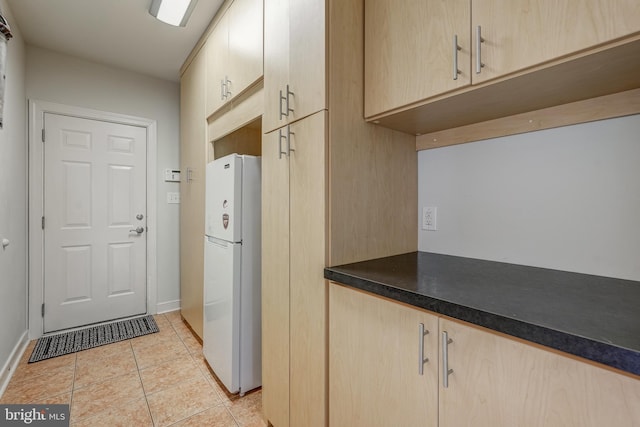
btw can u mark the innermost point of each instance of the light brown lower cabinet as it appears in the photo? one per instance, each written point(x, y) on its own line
point(293, 287)
point(377, 375)
point(492, 380)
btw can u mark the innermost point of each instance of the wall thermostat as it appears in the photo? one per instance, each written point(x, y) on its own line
point(171, 175)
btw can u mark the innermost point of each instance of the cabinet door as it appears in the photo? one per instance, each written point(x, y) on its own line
point(245, 44)
point(307, 261)
point(521, 34)
point(275, 282)
point(276, 61)
point(409, 51)
point(498, 381)
point(192, 158)
point(374, 348)
point(217, 48)
point(307, 57)
point(294, 57)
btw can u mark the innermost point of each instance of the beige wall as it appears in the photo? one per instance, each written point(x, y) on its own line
point(72, 81)
point(13, 200)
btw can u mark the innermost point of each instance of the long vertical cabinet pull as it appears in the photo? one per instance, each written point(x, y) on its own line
point(280, 112)
point(422, 332)
point(227, 85)
point(289, 133)
point(445, 359)
point(280, 137)
point(479, 41)
point(286, 137)
point(223, 90)
point(456, 48)
point(288, 109)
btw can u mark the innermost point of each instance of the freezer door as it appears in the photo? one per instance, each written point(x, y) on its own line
point(221, 329)
point(223, 198)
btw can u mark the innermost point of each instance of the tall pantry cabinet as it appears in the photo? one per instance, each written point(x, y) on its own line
point(294, 255)
point(335, 190)
point(229, 53)
point(193, 161)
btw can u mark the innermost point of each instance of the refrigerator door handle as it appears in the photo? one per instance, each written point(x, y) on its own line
point(218, 242)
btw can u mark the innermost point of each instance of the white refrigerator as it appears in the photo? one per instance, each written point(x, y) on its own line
point(232, 298)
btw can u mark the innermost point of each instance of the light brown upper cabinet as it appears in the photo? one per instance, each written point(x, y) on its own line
point(431, 50)
point(411, 51)
point(294, 61)
point(234, 53)
point(515, 35)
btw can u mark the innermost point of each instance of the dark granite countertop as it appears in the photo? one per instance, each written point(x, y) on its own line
point(594, 317)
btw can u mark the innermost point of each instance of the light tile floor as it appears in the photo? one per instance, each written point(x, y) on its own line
point(155, 380)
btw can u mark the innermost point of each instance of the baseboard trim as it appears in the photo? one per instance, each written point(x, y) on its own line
point(167, 306)
point(12, 363)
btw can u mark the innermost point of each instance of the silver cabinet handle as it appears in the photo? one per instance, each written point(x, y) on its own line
point(289, 133)
point(280, 142)
point(445, 359)
point(280, 107)
point(227, 85)
point(288, 109)
point(422, 332)
point(456, 48)
point(287, 137)
point(223, 90)
point(138, 230)
point(479, 41)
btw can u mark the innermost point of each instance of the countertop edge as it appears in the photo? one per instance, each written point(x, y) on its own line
point(596, 351)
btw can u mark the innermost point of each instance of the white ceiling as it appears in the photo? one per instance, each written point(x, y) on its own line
point(119, 33)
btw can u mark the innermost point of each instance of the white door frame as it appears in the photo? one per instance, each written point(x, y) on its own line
point(37, 109)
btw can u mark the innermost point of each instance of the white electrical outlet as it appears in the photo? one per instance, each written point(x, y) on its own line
point(429, 217)
point(173, 198)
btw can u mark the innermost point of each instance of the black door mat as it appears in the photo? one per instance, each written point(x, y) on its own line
point(93, 336)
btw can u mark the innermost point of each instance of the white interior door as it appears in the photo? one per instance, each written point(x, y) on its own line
point(94, 200)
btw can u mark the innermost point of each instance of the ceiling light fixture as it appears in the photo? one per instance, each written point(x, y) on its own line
point(173, 12)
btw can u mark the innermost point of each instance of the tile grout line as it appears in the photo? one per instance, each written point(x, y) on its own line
point(103, 381)
point(182, 382)
point(207, 379)
point(73, 384)
point(146, 399)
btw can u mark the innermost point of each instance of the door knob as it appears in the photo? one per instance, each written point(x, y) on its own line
point(138, 230)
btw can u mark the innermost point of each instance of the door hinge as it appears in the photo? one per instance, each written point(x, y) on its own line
point(43, 223)
point(42, 134)
point(42, 310)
